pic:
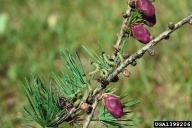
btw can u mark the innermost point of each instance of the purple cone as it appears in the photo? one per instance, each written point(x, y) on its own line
point(150, 21)
point(139, 32)
point(65, 103)
point(113, 105)
point(146, 7)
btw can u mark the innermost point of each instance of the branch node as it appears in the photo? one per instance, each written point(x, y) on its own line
point(126, 73)
point(125, 15)
point(132, 4)
point(114, 79)
point(151, 52)
point(190, 21)
point(171, 26)
point(103, 82)
point(152, 37)
point(134, 63)
point(90, 100)
point(138, 56)
point(167, 37)
point(125, 55)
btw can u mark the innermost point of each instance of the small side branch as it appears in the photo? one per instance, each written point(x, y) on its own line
point(89, 117)
point(65, 116)
point(120, 35)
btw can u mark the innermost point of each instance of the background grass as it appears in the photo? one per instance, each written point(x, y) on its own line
point(33, 32)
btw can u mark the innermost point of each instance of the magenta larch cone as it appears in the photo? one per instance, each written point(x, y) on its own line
point(65, 103)
point(146, 7)
point(139, 32)
point(150, 21)
point(113, 105)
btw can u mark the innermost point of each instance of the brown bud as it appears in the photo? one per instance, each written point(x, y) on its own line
point(132, 4)
point(89, 110)
point(90, 100)
point(171, 25)
point(134, 63)
point(100, 95)
point(126, 73)
point(116, 47)
point(151, 52)
point(124, 15)
point(125, 55)
point(167, 37)
point(84, 106)
point(115, 79)
point(190, 21)
point(102, 81)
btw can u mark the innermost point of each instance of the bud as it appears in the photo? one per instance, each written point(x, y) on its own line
point(90, 99)
point(134, 63)
point(126, 55)
point(124, 14)
point(146, 7)
point(113, 105)
point(140, 33)
point(115, 79)
point(103, 82)
point(64, 103)
point(150, 21)
point(171, 25)
point(167, 37)
point(116, 47)
point(86, 107)
point(151, 52)
point(131, 4)
point(126, 73)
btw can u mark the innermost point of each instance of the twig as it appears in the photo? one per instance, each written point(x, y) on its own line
point(142, 51)
point(121, 34)
point(89, 117)
point(65, 116)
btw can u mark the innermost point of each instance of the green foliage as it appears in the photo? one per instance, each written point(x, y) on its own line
point(103, 61)
point(43, 103)
point(73, 75)
point(135, 17)
point(73, 67)
point(73, 84)
point(98, 58)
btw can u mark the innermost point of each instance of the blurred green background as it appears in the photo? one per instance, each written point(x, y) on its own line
point(34, 32)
